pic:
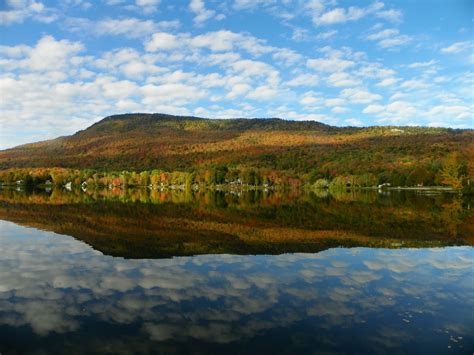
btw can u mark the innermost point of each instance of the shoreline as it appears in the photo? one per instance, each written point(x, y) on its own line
point(243, 187)
point(412, 188)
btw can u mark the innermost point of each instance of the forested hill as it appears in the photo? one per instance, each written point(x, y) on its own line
point(157, 141)
point(131, 121)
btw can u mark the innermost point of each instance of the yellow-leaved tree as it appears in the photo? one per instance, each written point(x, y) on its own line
point(451, 173)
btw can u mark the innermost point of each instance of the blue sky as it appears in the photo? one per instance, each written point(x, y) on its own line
point(66, 64)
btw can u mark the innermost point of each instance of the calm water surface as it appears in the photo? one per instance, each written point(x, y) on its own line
point(278, 273)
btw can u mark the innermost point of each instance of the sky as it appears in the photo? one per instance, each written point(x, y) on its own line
point(67, 64)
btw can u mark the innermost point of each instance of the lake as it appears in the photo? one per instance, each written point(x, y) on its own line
point(140, 271)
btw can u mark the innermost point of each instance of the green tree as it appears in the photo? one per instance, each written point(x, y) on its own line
point(383, 178)
point(155, 177)
point(249, 177)
point(314, 175)
point(398, 178)
point(321, 184)
point(29, 182)
point(220, 174)
point(144, 178)
point(58, 178)
point(420, 176)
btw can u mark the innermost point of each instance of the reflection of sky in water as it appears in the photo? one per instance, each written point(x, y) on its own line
point(53, 287)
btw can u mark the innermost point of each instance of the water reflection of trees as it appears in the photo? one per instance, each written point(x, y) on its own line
point(153, 223)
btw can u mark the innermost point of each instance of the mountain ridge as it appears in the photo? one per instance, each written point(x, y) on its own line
point(260, 122)
point(255, 120)
point(138, 141)
point(180, 122)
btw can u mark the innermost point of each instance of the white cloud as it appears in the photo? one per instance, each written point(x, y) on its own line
point(252, 68)
point(414, 84)
point(456, 111)
point(339, 109)
point(360, 96)
point(177, 76)
point(417, 65)
point(18, 11)
point(177, 94)
point(310, 98)
point(373, 109)
point(395, 112)
point(394, 42)
point(38, 99)
point(262, 93)
point(83, 4)
point(128, 27)
point(162, 41)
point(220, 41)
point(217, 41)
point(120, 89)
point(401, 108)
point(448, 97)
point(147, 6)
point(387, 33)
point(457, 47)
point(201, 13)
point(374, 71)
point(388, 82)
point(334, 16)
point(342, 79)
point(314, 6)
point(335, 102)
point(303, 80)
point(326, 35)
point(389, 38)
point(145, 3)
point(342, 15)
point(287, 56)
point(395, 16)
point(249, 4)
point(14, 51)
point(136, 68)
point(49, 54)
point(237, 90)
point(329, 64)
point(300, 34)
point(168, 25)
point(52, 79)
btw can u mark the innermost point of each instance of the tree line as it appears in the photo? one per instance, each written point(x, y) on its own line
point(451, 172)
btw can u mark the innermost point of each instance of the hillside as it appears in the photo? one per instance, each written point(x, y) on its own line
point(137, 142)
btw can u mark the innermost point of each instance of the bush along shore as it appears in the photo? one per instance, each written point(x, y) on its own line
point(452, 176)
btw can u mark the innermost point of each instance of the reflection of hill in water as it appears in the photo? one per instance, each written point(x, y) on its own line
point(58, 296)
point(153, 224)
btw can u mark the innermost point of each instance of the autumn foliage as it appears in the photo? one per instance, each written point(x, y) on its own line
point(139, 149)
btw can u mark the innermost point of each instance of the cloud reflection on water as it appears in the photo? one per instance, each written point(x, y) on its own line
point(53, 284)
